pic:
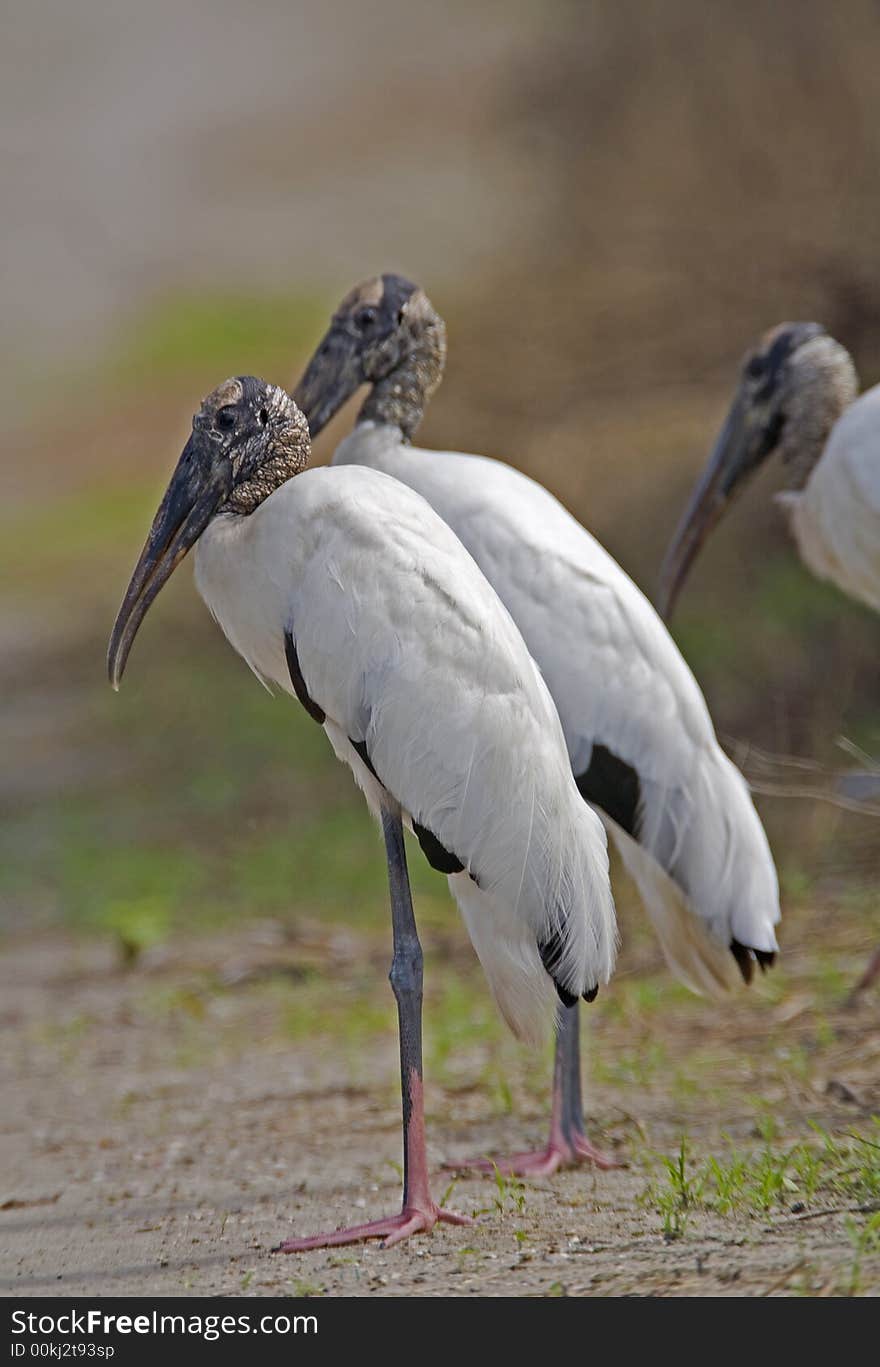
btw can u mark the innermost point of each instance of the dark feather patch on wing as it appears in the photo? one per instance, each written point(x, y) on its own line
point(299, 684)
point(766, 958)
point(613, 785)
point(441, 859)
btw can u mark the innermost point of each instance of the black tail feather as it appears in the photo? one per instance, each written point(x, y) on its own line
point(746, 958)
point(551, 951)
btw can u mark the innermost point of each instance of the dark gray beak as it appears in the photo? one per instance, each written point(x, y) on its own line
point(331, 377)
point(201, 482)
point(745, 439)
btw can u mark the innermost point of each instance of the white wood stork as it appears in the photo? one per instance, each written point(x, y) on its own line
point(638, 732)
point(797, 395)
point(343, 587)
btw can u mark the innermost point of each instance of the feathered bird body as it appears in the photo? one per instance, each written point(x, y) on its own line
point(426, 688)
point(835, 518)
point(692, 841)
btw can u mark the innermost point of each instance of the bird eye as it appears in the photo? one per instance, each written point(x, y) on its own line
point(263, 416)
point(364, 318)
point(226, 418)
point(755, 367)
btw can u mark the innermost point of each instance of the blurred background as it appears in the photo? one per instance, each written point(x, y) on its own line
point(607, 202)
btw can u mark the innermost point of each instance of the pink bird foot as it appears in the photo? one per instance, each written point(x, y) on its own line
point(393, 1229)
point(567, 1145)
point(558, 1153)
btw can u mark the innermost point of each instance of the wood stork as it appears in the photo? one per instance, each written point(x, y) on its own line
point(639, 736)
point(344, 588)
point(797, 395)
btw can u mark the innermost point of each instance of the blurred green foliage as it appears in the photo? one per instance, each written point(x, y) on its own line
point(219, 335)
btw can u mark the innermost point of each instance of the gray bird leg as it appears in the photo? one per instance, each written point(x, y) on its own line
point(567, 1143)
point(419, 1213)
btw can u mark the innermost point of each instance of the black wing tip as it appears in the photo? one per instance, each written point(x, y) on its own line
point(551, 951)
point(746, 958)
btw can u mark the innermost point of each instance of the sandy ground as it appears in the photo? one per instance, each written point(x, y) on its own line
point(163, 1136)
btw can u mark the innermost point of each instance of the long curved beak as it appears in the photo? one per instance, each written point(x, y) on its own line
point(742, 443)
point(330, 378)
point(200, 483)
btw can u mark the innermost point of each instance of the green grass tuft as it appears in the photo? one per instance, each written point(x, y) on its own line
point(759, 1182)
